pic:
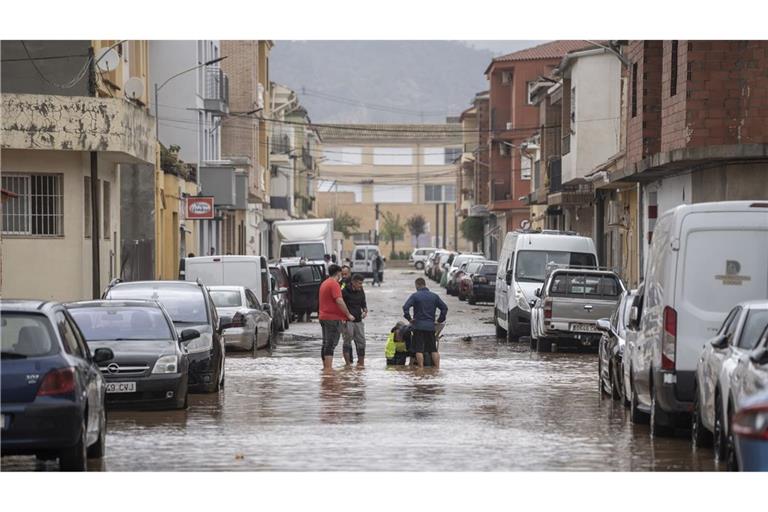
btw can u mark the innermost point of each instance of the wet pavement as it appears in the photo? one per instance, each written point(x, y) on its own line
point(492, 406)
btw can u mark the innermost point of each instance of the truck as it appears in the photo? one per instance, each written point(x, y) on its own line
point(569, 304)
point(310, 239)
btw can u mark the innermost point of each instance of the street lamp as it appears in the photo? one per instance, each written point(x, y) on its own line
point(158, 87)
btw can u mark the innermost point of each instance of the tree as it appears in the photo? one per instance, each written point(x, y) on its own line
point(472, 230)
point(343, 222)
point(392, 229)
point(417, 225)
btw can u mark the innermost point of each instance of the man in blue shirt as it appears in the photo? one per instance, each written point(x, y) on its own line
point(424, 304)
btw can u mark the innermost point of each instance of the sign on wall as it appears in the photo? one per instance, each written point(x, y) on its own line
point(200, 208)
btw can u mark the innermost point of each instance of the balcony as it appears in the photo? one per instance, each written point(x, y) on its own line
point(216, 98)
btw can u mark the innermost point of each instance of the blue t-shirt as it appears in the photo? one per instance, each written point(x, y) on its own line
point(424, 304)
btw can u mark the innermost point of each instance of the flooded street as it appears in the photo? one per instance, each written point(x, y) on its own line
point(491, 406)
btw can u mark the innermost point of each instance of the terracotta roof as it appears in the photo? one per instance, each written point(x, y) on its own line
point(551, 50)
point(363, 132)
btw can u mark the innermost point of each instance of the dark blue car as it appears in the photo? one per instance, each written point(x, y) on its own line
point(52, 389)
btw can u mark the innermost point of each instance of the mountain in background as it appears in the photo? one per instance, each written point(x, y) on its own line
point(383, 81)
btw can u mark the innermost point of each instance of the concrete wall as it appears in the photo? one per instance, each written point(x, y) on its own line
point(59, 268)
point(137, 222)
point(20, 76)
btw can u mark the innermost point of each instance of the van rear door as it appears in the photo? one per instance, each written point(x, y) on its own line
point(721, 261)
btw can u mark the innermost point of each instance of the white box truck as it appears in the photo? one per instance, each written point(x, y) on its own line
point(303, 238)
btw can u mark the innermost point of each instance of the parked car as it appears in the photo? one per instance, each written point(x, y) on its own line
point(52, 390)
point(419, 256)
point(433, 262)
point(736, 338)
point(703, 259)
point(451, 284)
point(281, 297)
point(611, 348)
point(750, 433)
point(190, 306)
point(304, 278)
point(363, 257)
point(150, 365)
point(443, 264)
point(479, 282)
point(245, 323)
point(522, 268)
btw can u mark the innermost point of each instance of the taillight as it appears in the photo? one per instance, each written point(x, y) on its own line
point(58, 382)
point(237, 321)
point(547, 308)
point(752, 422)
point(669, 339)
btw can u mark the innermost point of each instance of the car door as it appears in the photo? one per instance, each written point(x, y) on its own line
point(711, 364)
point(361, 263)
point(259, 319)
point(89, 376)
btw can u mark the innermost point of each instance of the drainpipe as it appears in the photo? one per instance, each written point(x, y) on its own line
point(95, 258)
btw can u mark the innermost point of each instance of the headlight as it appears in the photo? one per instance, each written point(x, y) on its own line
point(202, 344)
point(166, 364)
point(521, 300)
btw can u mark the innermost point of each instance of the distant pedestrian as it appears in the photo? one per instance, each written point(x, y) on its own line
point(424, 304)
point(333, 314)
point(376, 265)
point(354, 298)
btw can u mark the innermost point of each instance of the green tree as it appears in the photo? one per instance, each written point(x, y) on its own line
point(392, 229)
point(472, 230)
point(417, 225)
point(343, 222)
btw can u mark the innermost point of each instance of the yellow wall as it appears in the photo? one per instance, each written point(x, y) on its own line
point(171, 212)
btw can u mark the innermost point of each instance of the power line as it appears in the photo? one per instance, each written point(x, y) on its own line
point(77, 78)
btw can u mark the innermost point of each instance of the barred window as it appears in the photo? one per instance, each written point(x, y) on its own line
point(38, 207)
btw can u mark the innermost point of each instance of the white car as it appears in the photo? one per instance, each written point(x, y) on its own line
point(737, 337)
point(419, 256)
point(246, 324)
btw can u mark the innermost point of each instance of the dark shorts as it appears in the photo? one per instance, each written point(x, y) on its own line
point(423, 341)
point(331, 334)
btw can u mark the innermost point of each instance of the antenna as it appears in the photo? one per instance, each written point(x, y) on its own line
point(107, 60)
point(134, 88)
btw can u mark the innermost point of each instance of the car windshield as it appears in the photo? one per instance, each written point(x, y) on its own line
point(27, 335)
point(532, 265)
point(490, 269)
point(756, 321)
point(226, 298)
point(185, 304)
point(122, 323)
point(312, 251)
point(306, 274)
point(585, 284)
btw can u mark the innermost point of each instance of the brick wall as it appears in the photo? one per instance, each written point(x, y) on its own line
point(644, 128)
point(481, 168)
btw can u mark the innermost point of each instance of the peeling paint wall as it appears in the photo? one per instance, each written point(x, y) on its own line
point(32, 121)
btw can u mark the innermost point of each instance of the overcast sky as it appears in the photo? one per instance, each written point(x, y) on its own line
point(502, 47)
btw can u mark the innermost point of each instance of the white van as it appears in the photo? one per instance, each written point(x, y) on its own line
point(704, 258)
point(249, 271)
point(362, 259)
point(522, 267)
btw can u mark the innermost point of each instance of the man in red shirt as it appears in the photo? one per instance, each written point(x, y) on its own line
point(333, 313)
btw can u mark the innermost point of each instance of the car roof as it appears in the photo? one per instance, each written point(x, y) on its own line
point(120, 303)
point(157, 283)
point(754, 304)
point(226, 287)
point(27, 305)
point(585, 271)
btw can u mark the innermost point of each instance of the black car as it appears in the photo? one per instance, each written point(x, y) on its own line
point(52, 389)
point(281, 304)
point(150, 366)
point(190, 306)
point(305, 278)
point(479, 282)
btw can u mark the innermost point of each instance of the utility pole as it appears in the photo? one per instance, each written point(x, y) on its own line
point(455, 229)
point(445, 225)
point(376, 227)
point(437, 225)
point(95, 258)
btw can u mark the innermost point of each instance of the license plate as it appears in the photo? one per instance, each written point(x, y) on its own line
point(121, 387)
point(583, 328)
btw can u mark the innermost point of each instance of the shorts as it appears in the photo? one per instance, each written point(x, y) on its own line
point(423, 341)
point(354, 331)
point(331, 334)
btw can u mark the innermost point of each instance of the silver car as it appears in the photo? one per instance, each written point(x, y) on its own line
point(246, 324)
point(737, 337)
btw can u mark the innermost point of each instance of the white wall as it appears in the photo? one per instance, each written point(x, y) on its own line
point(597, 80)
point(670, 192)
point(392, 194)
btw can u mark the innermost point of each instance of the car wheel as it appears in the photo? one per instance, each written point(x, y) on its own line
point(75, 458)
point(719, 437)
point(731, 463)
point(419, 265)
point(616, 393)
point(533, 343)
point(471, 301)
point(543, 345)
point(512, 337)
point(635, 414)
point(99, 448)
point(500, 332)
point(657, 429)
point(286, 323)
point(700, 436)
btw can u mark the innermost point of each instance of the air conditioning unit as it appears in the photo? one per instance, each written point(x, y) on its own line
point(509, 126)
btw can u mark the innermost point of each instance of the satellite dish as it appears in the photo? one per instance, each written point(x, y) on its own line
point(134, 88)
point(107, 59)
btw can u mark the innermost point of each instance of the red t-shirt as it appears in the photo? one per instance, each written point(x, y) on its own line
point(330, 290)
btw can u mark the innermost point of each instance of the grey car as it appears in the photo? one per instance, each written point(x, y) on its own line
point(611, 348)
point(246, 324)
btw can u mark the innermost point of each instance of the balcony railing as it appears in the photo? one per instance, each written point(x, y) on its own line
point(216, 92)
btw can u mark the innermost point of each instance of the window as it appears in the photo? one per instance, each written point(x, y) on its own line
point(122, 323)
point(451, 154)
point(27, 334)
point(361, 237)
point(392, 194)
point(226, 298)
point(253, 302)
point(38, 206)
point(573, 110)
point(506, 77)
point(440, 193)
point(434, 156)
point(393, 156)
point(106, 211)
point(757, 320)
point(531, 88)
point(338, 155)
point(531, 266)
point(525, 167)
point(634, 89)
point(71, 346)
point(673, 70)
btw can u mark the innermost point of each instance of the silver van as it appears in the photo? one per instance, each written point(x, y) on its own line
point(522, 268)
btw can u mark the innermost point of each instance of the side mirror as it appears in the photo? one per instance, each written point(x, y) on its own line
point(719, 342)
point(103, 354)
point(760, 357)
point(538, 292)
point(634, 318)
point(190, 334)
point(604, 325)
point(509, 277)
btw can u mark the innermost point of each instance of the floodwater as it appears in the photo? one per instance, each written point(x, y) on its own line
point(492, 406)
